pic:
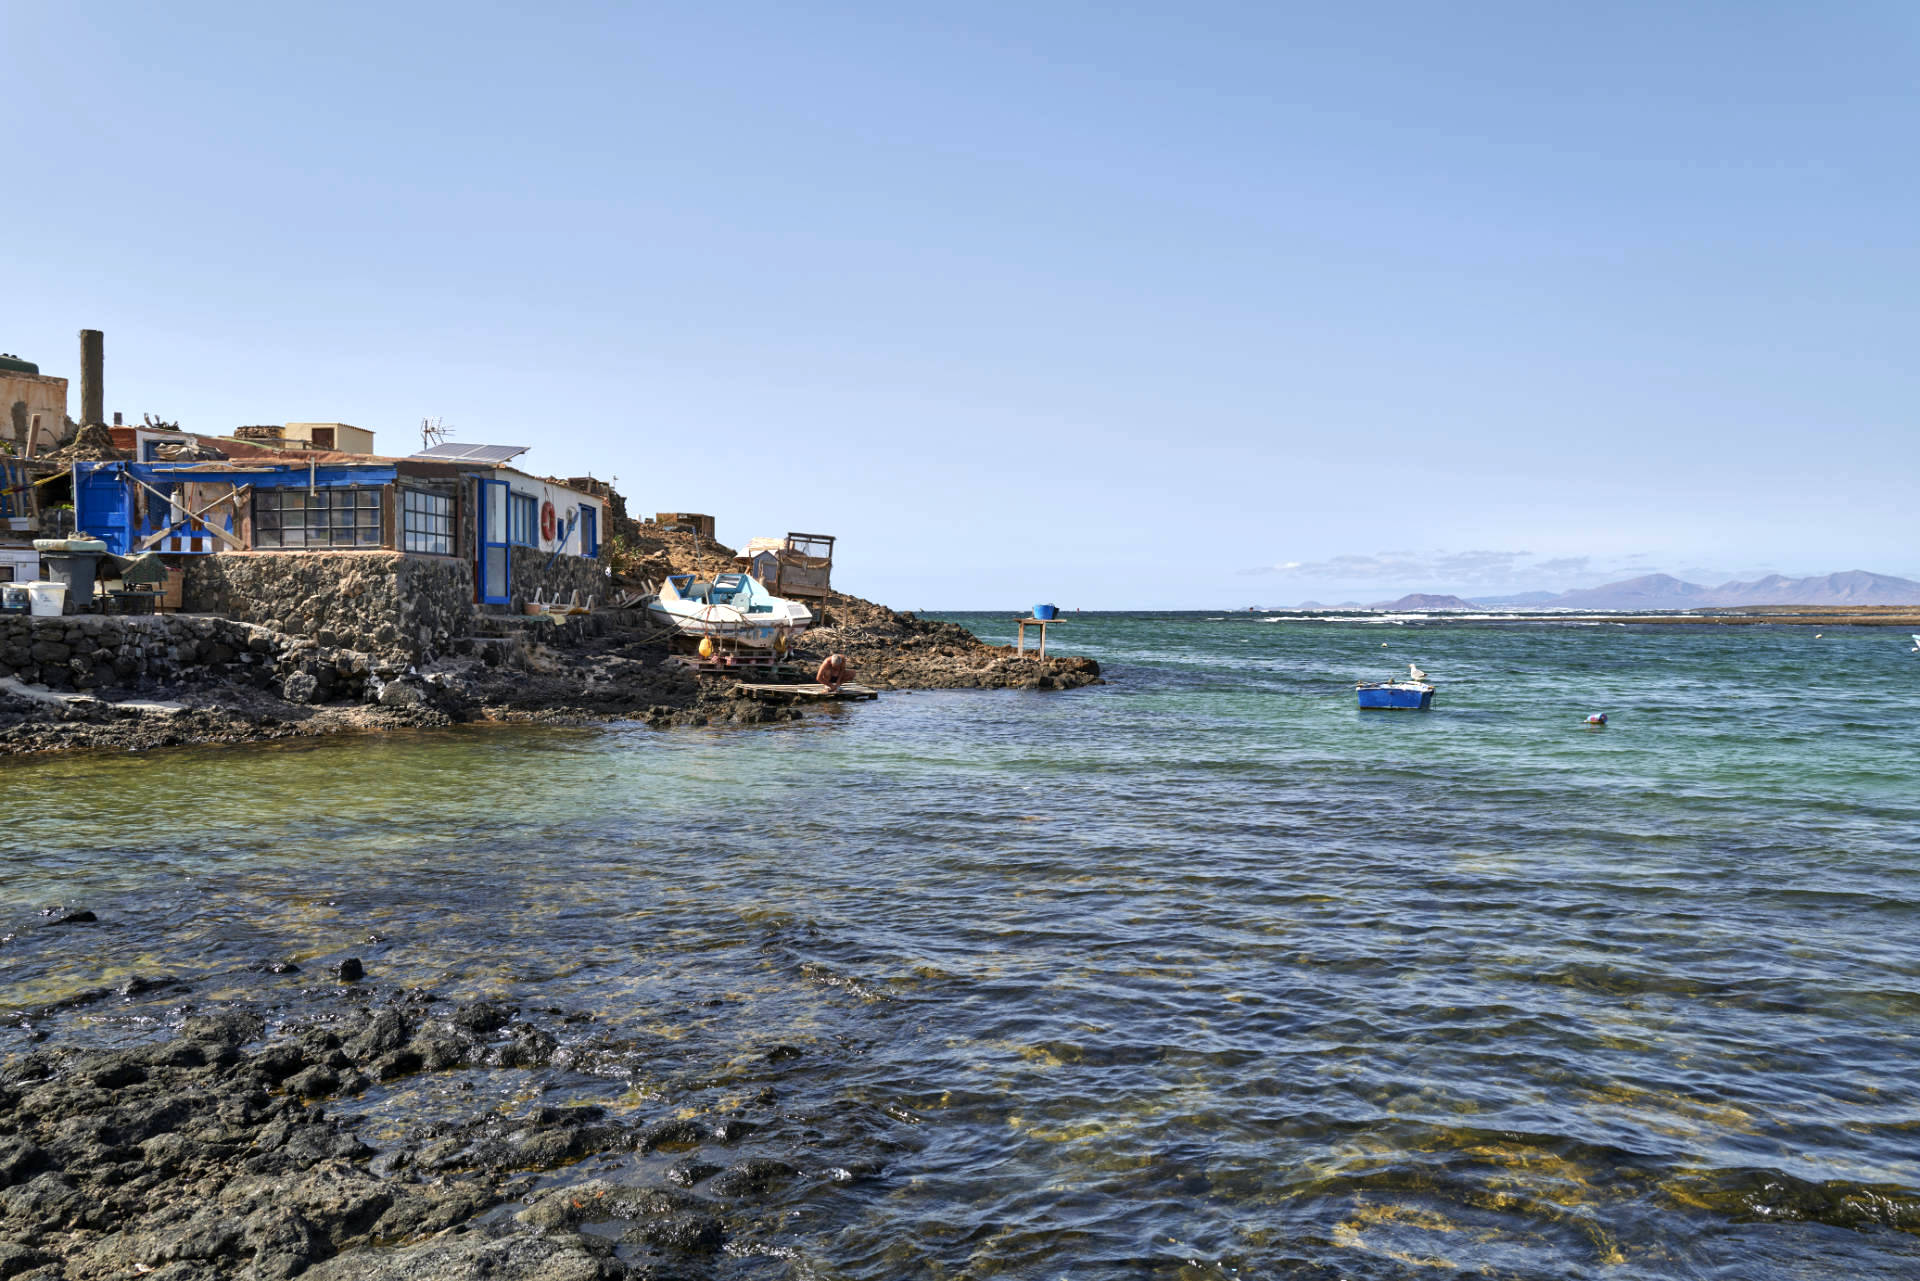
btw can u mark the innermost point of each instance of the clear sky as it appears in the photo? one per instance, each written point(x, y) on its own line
point(1112, 305)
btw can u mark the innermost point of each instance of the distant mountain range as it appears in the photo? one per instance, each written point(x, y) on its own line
point(1423, 600)
point(1664, 591)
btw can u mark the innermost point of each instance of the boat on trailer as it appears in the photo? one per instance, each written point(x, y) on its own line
point(731, 607)
point(1413, 694)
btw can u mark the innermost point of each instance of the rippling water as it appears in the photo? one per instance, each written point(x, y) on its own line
point(1201, 973)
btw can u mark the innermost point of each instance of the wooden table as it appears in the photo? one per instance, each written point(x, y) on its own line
point(1042, 624)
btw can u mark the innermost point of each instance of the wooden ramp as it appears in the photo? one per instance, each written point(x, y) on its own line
point(742, 666)
point(810, 693)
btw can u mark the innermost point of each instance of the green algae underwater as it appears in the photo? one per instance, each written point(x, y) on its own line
point(1200, 973)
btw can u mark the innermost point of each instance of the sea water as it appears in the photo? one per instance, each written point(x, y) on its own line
point(1199, 973)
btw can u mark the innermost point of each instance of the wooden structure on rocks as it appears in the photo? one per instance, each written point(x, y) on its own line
point(797, 567)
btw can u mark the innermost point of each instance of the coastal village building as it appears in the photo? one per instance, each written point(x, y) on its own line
point(340, 436)
point(300, 527)
point(33, 406)
point(493, 518)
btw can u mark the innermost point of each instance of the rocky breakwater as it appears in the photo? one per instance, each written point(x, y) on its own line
point(894, 650)
point(226, 1152)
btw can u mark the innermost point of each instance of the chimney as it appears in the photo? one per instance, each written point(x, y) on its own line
point(92, 363)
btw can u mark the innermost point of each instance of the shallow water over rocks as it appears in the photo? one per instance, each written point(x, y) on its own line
point(1199, 973)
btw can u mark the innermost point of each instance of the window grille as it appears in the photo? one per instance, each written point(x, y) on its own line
point(426, 522)
point(292, 519)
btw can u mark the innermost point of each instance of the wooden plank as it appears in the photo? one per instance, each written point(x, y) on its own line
point(811, 692)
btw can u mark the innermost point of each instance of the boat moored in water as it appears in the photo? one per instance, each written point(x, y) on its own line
point(1413, 694)
point(733, 607)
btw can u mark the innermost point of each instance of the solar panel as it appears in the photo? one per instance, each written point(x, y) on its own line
point(459, 451)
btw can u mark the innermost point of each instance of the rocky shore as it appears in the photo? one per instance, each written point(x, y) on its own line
point(230, 1150)
point(892, 650)
point(94, 691)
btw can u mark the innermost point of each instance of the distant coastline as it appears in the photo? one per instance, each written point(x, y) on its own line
point(1658, 593)
point(1776, 615)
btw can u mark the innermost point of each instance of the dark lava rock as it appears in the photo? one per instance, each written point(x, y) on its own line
point(691, 1231)
point(208, 1156)
point(15, 1260)
point(114, 1074)
point(482, 1017)
point(316, 1082)
point(691, 1170)
point(751, 1178)
point(732, 1130)
point(74, 918)
point(529, 1047)
point(19, 1160)
point(475, 1255)
point(677, 1134)
point(350, 970)
point(278, 1062)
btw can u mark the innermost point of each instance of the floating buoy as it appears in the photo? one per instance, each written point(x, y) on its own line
point(1816, 635)
point(1598, 718)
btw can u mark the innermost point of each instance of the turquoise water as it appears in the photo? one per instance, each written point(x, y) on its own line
point(1201, 973)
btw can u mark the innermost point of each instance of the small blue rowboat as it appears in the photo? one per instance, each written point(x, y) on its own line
point(1413, 694)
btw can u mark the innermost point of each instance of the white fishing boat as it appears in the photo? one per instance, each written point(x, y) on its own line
point(731, 607)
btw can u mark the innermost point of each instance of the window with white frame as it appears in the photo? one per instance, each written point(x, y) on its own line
point(293, 518)
point(426, 522)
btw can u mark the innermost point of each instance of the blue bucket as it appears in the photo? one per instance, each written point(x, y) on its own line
point(1046, 611)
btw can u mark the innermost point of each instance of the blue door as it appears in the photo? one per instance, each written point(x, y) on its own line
point(589, 531)
point(103, 505)
point(494, 568)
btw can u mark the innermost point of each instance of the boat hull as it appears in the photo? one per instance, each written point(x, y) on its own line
point(722, 623)
point(1402, 698)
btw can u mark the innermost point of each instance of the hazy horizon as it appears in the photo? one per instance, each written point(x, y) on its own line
point(1198, 306)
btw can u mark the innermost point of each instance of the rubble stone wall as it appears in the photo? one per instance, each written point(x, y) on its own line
point(566, 575)
point(83, 651)
point(382, 602)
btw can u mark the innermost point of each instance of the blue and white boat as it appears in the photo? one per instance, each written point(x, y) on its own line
point(731, 607)
point(1413, 694)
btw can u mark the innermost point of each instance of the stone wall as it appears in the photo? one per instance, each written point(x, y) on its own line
point(565, 575)
point(85, 651)
point(382, 602)
point(169, 652)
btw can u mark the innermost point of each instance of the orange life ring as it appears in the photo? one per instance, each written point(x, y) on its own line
point(546, 522)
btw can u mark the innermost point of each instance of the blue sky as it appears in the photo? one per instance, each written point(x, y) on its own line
point(1117, 305)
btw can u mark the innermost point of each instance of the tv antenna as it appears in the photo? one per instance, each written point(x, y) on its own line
point(434, 431)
